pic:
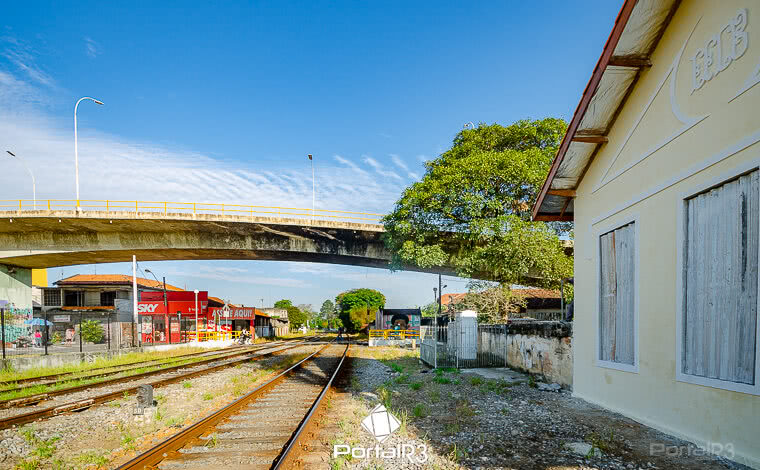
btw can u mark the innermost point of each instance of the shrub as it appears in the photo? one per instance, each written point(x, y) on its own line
point(91, 331)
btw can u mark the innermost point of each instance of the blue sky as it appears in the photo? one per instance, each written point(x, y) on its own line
point(221, 102)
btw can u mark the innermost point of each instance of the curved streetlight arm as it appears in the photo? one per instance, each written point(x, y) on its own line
point(34, 183)
point(76, 146)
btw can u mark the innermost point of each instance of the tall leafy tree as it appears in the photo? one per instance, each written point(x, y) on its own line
point(284, 303)
point(471, 210)
point(327, 312)
point(328, 309)
point(358, 307)
point(296, 317)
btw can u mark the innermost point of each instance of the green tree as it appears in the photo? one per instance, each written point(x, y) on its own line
point(358, 307)
point(430, 310)
point(296, 317)
point(328, 309)
point(494, 303)
point(91, 331)
point(328, 312)
point(284, 303)
point(311, 315)
point(471, 210)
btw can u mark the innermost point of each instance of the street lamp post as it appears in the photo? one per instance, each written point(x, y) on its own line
point(34, 185)
point(76, 144)
point(313, 187)
point(197, 338)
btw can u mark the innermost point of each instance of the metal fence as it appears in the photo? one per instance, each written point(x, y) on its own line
point(24, 334)
point(453, 346)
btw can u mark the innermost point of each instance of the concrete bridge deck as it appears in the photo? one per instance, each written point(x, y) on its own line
point(49, 238)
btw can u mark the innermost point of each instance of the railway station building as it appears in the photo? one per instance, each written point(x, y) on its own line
point(660, 172)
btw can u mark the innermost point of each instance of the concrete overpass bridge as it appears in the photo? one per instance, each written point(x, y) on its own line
point(50, 233)
point(46, 234)
point(53, 233)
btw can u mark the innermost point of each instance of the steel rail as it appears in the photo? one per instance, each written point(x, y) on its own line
point(150, 458)
point(141, 363)
point(289, 456)
point(89, 402)
point(33, 399)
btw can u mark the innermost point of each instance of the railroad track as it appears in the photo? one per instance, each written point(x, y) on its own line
point(262, 429)
point(178, 364)
point(173, 377)
point(103, 371)
point(38, 397)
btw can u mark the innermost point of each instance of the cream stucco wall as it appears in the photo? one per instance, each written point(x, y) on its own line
point(665, 145)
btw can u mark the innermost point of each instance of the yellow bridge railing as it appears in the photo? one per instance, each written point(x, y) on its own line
point(166, 207)
point(394, 334)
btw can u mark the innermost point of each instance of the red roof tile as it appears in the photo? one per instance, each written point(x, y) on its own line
point(112, 279)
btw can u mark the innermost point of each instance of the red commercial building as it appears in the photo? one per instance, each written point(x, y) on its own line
point(237, 318)
point(179, 314)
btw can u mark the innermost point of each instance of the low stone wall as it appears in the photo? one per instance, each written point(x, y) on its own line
point(543, 348)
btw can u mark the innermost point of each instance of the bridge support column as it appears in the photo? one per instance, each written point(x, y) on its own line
point(16, 290)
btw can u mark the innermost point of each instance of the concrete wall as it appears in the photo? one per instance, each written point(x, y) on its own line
point(668, 143)
point(16, 289)
point(542, 348)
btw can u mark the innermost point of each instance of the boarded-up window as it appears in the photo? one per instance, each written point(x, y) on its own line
point(720, 282)
point(617, 295)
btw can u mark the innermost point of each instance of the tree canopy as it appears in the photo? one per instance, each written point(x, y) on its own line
point(327, 312)
point(296, 317)
point(471, 210)
point(358, 306)
point(284, 303)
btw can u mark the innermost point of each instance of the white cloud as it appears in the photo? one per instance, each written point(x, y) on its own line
point(22, 57)
point(115, 168)
point(398, 162)
point(238, 275)
point(349, 164)
point(401, 164)
point(380, 169)
point(92, 48)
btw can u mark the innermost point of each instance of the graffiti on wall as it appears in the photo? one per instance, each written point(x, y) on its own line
point(16, 321)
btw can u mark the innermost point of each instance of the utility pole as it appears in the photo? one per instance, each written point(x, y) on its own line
point(435, 331)
point(440, 294)
point(134, 301)
point(197, 338)
point(168, 317)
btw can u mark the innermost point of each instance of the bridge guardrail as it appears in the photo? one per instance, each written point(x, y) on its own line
point(166, 207)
